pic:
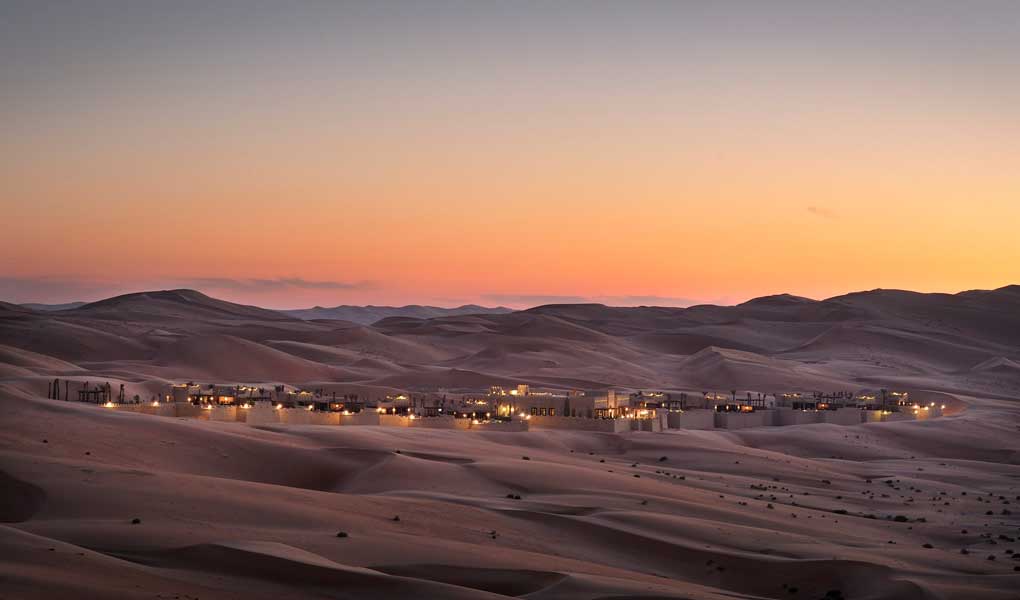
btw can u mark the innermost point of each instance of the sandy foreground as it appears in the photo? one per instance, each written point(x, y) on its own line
point(230, 511)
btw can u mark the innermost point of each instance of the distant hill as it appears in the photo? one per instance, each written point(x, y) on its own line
point(366, 315)
point(47, 307)
point(876, 338)
point(180, 304)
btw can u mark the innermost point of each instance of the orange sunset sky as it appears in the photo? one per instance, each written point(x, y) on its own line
point(514, 153)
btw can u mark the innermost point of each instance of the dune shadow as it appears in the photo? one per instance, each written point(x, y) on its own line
point(20, 500)
point(439, 457)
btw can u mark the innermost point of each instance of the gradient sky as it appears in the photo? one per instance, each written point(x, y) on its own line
point(298, 153)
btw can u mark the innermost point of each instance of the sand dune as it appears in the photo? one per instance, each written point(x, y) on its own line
point(874, 511)
point(879, 334)
point(748, 370)
point(170, 305)
point(34, 361)
point(225, 508)
point(233, 358)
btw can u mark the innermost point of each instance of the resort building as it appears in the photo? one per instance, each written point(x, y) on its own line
point(517, 409)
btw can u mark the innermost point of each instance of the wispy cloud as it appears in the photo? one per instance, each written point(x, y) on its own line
point(534, 299)
point(270, 285)
point(822, 212)
point(647, 301)
point(55, 289)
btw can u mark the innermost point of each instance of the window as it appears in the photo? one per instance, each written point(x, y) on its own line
point(552, 412)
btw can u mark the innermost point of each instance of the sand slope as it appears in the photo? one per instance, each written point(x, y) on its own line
point(876, 511)
point(227, 510)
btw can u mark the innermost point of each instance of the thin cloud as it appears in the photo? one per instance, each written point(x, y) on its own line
point(646, 301)
point(270, 285)
point(821, 211)
point(19, 290)
point(534, 299)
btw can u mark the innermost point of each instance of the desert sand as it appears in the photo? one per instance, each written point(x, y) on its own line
point(107, 504)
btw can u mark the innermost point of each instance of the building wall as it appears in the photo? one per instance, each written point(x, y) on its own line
point(394, 420)
point(696, 418)
point(788, 416)
point(579, 424)
point(189, 410)
point(842, 416)
point(492, 426)
point(523, 404)
point(262, 413)
point(654, 425)
point(737, 420)
point(897, 416)
point(180, 393)
point(871, 416)
point(444, 422)
point(294, 416)
point(325, 418)
point(369, 417)
point(223, 413)
point(165, 409)
point(876, 416)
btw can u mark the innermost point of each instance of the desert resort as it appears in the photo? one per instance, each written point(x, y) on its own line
point(500, 409)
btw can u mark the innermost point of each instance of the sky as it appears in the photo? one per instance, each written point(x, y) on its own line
point(291, 154)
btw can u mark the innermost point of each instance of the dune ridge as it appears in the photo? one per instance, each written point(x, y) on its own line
point(108, 504)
